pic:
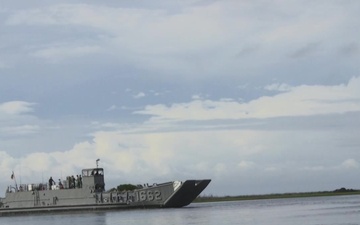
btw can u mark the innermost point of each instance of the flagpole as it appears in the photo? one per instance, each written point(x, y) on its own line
point(20, 174)
point(14, 178)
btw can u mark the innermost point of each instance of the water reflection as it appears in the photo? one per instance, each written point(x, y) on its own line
point(323, 210)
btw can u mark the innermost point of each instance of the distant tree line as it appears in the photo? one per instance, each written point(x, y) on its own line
point(124, 187)
point(341, 190)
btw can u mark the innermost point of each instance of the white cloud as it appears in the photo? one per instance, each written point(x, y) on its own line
point(315, 168)
point(220, 169)
point(178, 42)
point(278, 87)
point(20, 130)
point(271, 169)
point(17, 119)
point(101, 17)
point(139, 95)
point(6, 163)
point(243, 165)
point(141, 157)
point(16, 107)
point(350, 164)
point(299, 101)
point(157, 156)
point(112, 108)
point(39, 162)
point(196, 97)
point(62, 52)
point(3, 65)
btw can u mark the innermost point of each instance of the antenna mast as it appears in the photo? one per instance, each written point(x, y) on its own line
point(97, 163)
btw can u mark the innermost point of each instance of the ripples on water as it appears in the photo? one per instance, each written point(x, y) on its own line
point(342, 210)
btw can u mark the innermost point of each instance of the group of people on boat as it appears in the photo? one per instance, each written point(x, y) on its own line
point(71, 181)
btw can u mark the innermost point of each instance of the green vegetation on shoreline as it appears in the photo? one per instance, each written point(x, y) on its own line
point(337, 192)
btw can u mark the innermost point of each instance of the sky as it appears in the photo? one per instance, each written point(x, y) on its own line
point(259, 96)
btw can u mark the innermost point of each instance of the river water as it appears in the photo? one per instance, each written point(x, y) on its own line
point(344, 210)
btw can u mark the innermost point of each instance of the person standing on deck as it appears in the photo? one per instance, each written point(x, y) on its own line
point(73, 181)
point(80, 181)
point(51, 182)
point(77, 181)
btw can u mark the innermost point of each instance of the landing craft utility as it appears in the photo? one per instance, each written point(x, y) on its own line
point(90, 194)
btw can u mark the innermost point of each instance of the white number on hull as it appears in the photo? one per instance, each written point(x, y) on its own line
point(149, 195)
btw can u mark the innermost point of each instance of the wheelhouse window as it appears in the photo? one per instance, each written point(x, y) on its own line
point(92, 172)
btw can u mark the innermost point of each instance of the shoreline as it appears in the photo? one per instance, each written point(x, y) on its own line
point(202, 199)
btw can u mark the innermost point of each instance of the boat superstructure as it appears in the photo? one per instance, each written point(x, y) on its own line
point(89, 194)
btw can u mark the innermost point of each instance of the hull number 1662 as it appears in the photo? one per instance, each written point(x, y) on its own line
point(151, 195)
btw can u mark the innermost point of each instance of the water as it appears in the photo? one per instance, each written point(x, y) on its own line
point(341, 210)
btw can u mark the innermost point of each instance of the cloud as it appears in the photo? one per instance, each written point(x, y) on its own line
point(62, 52)
point(350, 164)
point(112, 108)
point(243, 165)
point(139, 95)
point(20, 130)
point(17, 119)
point(140, 155)
point(351, 49)
point(315, 168)
point(246, 51)
point(302, 100)
point(310, 48)
point(16, 107)
point(278, 87)
point(3, 65)
point(134, 154)
point(101, 17)
point(196, 39)
point(6, 162)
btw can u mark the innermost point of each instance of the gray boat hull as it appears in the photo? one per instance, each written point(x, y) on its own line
point(166, 195)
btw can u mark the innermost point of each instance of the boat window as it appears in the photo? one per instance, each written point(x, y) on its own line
point(97, 172)
point(92, 172)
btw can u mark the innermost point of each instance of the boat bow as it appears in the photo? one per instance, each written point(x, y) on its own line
point(186, 193)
